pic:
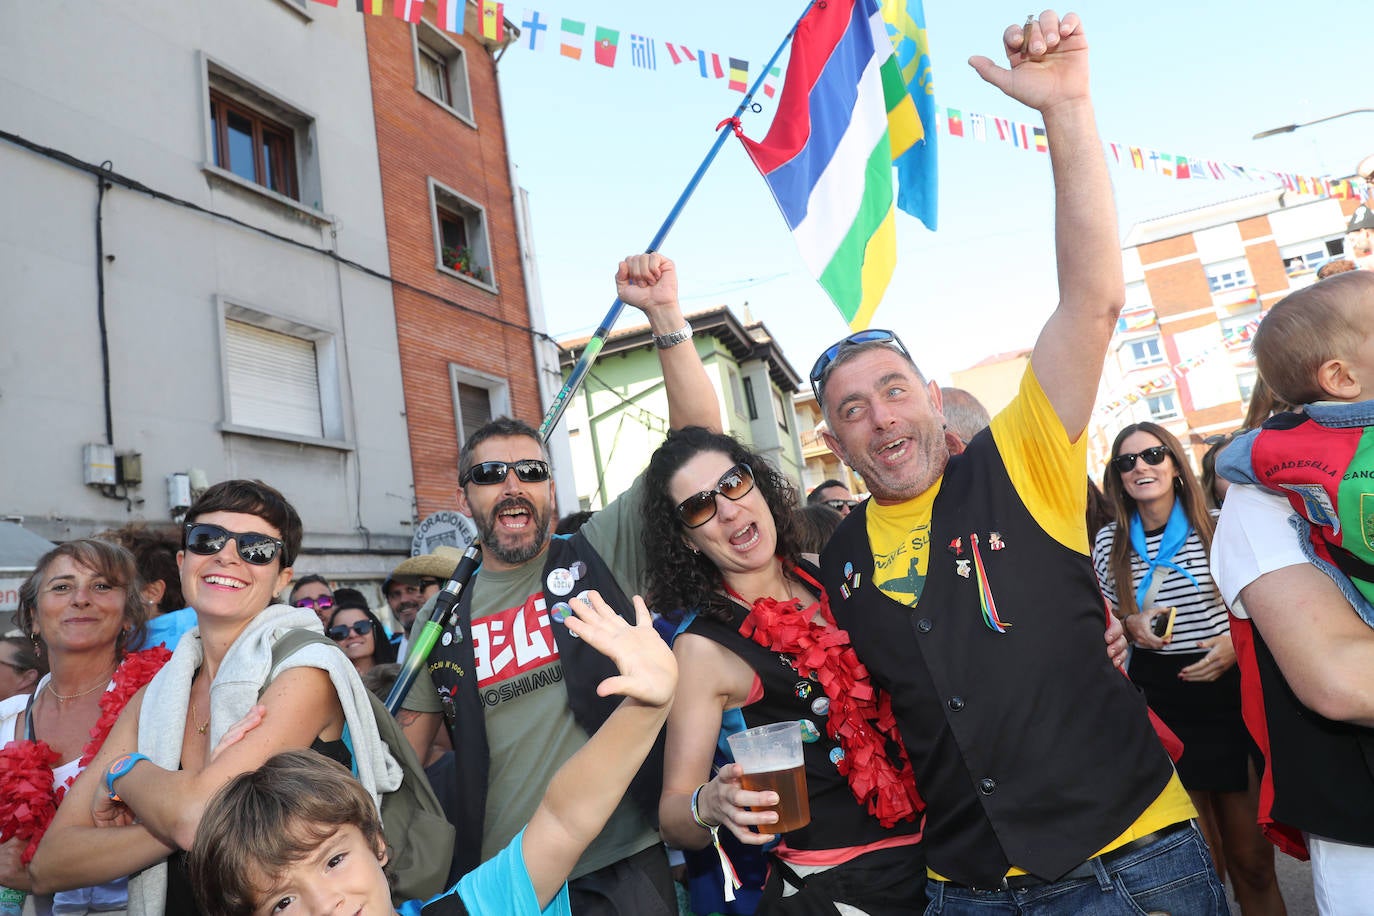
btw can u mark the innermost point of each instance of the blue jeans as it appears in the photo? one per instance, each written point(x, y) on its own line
point(1173, 875)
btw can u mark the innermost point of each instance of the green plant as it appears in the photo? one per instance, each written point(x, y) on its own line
point(460, 258)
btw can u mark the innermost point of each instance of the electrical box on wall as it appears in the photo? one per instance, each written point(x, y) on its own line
point(178, 493)
point(99, 462)
point(129, 468)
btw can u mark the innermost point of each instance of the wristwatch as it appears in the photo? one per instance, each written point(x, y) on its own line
point(673, 338)
point(118, 767)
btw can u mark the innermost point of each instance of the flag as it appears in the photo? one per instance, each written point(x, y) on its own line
point(1003, 129)
point(1137, 158)
point(409, 10)
point(572, 38)
point(917, 187)
point(709, 65)
point(333, 3)
point(1166, 165)
point(956, 123)
point(1181, 167)
point(843, 117)
point(372, 7)
point(532, 27)
point(1042, 143)
point(493, 20)
point(770, 87)
point(739, 74)
point(642, 52)
point(979, 126)
point(679, 53)
point(1024, 136)
point(607, 40)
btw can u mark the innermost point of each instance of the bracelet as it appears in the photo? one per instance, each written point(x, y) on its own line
point(673, 338)
point(119, 767)
point(696, 813)
point(731, 881)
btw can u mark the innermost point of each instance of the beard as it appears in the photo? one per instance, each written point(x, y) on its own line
point(519, 548)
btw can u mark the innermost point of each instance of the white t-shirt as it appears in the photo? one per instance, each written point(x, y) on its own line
point(1254, 536)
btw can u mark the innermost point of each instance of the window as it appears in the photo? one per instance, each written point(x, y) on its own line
point(749, 403)
point(736, 397)
point(460, 236)
point(252, 146)
point(477, 398)
point(1246, 382)
point(1303, 259)
point(1227, 275)
point(1162, 406)
point(1145, 352)
point(280, 376)
point(779, 408)
point(441, 71)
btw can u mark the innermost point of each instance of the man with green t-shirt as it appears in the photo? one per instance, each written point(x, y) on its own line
point(516, 691)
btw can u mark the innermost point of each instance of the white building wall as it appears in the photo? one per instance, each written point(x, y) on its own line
point(126, 83)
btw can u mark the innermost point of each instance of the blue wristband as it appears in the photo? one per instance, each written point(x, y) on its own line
point(120, 766)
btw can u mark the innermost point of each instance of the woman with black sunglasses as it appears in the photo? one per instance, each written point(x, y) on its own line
point(758, 645)
point(141, 798)
point(1153, 565)
point(361, 635)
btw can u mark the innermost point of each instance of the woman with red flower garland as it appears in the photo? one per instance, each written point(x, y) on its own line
point(760, 646)
point(82, 607)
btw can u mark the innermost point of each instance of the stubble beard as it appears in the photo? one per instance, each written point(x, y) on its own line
point(520, 551)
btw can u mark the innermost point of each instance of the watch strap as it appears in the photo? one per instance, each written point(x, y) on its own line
point(119, 767)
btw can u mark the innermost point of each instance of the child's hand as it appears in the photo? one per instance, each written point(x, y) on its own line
point(648, 671)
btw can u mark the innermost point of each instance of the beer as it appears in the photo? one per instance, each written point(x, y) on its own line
point(793, 807)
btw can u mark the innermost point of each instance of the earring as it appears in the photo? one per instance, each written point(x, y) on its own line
point(37, 646)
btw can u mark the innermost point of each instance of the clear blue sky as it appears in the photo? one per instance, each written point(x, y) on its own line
point(605, 152)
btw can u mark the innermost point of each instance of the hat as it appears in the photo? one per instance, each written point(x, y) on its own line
point(438, 565)
point(1362, 218)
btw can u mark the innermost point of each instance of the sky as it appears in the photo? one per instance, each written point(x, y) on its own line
point(604, 153)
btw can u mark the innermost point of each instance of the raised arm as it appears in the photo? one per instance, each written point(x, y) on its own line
point(649, 283)
point(1051, 76)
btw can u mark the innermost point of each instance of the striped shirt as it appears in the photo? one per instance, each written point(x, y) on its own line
point(1201, 612)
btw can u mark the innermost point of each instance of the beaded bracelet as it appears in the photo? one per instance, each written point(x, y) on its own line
point(727, 868)
point(696, 812)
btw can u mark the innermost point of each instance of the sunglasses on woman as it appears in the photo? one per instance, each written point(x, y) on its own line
point(872, 335)
point(734, 484)
point(340, 632)
point(530, 470)
point(1152, 456)
point(322, 603)
point(207, 540)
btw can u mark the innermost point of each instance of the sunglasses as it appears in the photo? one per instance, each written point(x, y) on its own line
point(1153, 456)
point(529, 470)
point(873, 335)
point(839, 505)
point(697, 510)
point(322, 603)
point(340, 632)
point(208, 540)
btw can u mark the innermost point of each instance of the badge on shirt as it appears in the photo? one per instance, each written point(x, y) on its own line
point(560, 581)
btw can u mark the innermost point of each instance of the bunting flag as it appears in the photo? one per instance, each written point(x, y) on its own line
point(978, 124)
point(409, 10)
point(372, 7)
point(843, 117)
point(531, 26)
point(770, 86)
point(333, 3)
point(956, 123)
point(573, 32)
point(710, 65)
point(739, 74)
point(493, 20)
point(917, 192)
point(679, 53)
point(607, 42)
point(642, 53)
point(1042, 142)
point(1136, 318)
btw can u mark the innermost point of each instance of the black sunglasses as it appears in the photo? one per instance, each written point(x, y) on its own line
point(700, 508)
point(340, 632)
point(873, 335)
point(839, 505)
point(208, 540)
point(1153, 456)
point(529, 470)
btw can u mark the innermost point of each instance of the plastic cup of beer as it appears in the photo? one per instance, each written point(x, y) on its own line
point(771, 756)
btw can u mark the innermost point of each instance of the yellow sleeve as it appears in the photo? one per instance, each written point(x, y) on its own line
point(1049, 472)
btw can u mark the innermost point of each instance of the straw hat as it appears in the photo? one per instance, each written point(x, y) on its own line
point(437, 565)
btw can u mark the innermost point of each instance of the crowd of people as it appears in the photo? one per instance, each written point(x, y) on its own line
point(952, 649)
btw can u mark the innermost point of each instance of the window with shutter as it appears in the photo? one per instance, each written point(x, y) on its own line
point(274, 381)
point(441, 71)
point(474, 408)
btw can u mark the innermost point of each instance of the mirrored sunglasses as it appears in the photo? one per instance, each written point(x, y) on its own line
point(1152, 456)
point(322, 603)
point(839, 505)
point(529, 470)
point(340, 632)
point(207, 540)
point(699, 509)
point(872, 335)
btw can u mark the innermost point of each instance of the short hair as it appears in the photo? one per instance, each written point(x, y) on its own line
point(814, 525)
point(815, 497)
point(499, 428)
point(350, 597)
point(109, 560)
point(252, 497)
point(306, 580)
point(965, 415)
point(155, 555)
point(25, 657)
point(1338, 266)
point(267, 819)
point(1306, 329)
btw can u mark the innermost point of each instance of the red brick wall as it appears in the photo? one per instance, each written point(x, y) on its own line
point(417, 140)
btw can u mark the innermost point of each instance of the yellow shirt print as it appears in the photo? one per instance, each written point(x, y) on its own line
point(900, 538)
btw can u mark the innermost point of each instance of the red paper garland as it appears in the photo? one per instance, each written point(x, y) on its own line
point(860, 717)
point(28, 798)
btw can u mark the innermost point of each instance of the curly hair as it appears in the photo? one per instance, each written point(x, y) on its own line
point(679, 579)
point(1123, 506)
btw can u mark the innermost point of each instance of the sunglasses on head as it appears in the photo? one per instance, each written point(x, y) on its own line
point(699, 509)
point(1153, 455)
point(322, 603)
point(873, 335)
point(529, 470)
point(340, 632)
point(208, 540)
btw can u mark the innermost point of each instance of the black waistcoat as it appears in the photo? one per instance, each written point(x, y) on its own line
point(454, 672)
point(837, 820)
point(1029, 747)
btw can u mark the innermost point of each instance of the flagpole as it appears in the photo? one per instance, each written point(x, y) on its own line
point(593, 347)
point(443, 613)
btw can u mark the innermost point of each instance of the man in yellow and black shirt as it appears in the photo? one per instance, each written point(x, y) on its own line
point(967, 586)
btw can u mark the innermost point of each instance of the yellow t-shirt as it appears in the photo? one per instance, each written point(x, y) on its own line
point(1049, 474)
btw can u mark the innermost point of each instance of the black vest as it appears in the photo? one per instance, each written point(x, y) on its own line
point(837, 820)
point(454, 672)
point(1030, 748)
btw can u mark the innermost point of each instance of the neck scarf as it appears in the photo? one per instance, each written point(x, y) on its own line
point(1176, 533)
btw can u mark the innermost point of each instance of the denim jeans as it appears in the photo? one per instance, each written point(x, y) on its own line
point(1173, 875)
